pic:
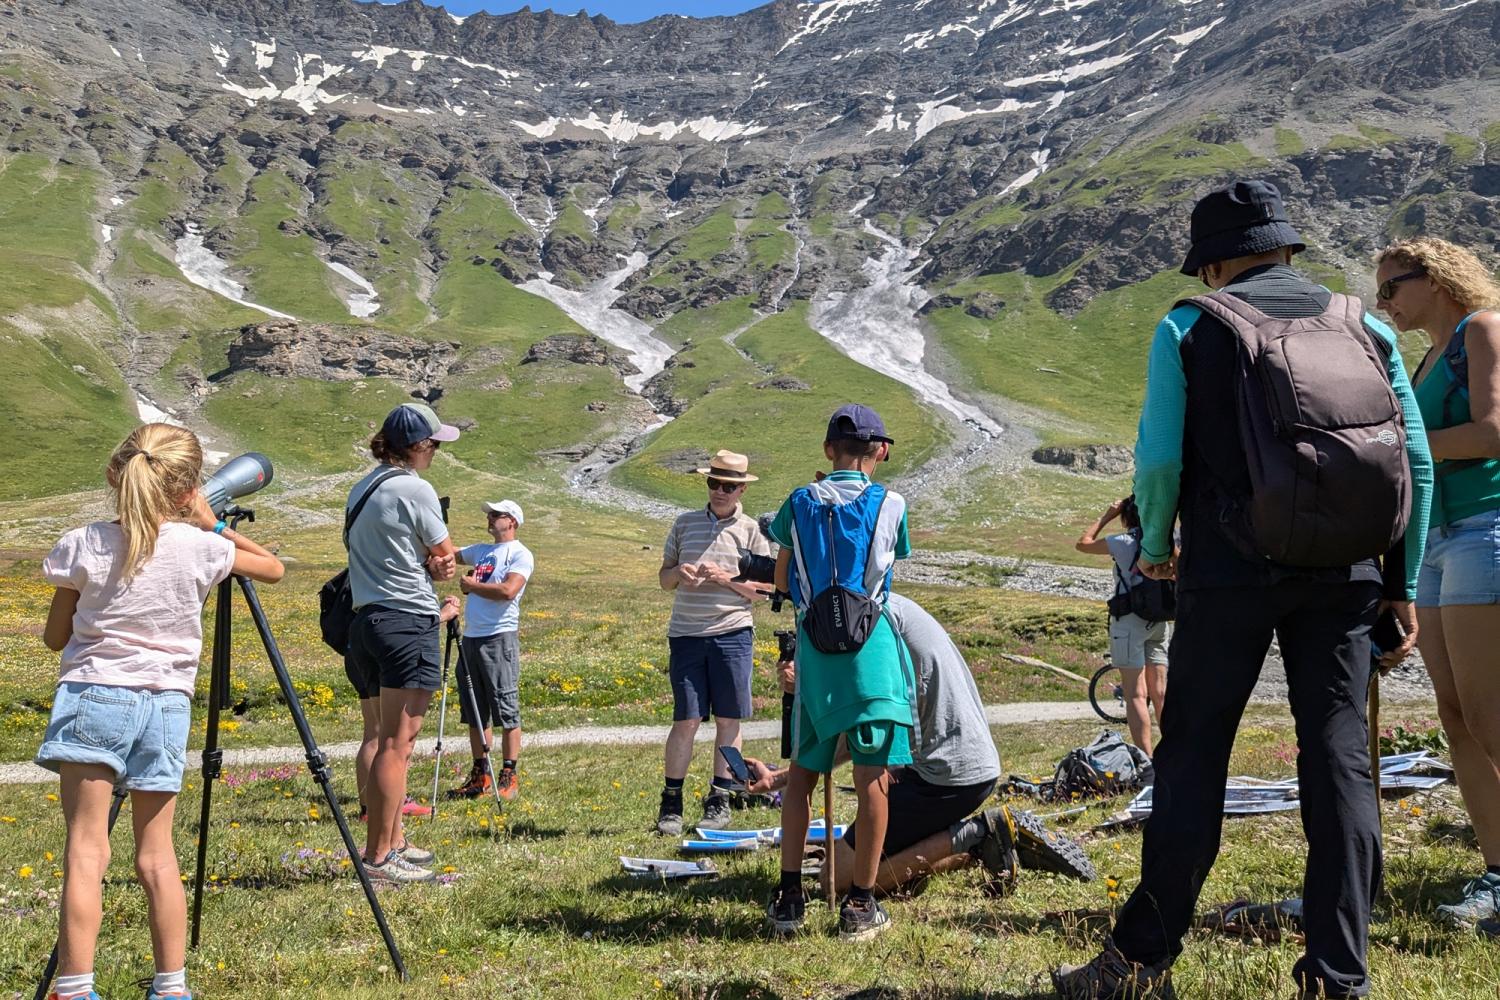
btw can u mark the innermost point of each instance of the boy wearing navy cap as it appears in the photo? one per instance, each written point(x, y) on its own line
point(840, 536)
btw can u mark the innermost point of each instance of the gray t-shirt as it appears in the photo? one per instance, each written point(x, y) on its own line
point(1124, 549)
point(388, 543)
point(955, 746)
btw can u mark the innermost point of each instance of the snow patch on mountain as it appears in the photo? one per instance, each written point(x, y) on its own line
point(622, 129)
point(822, 17)
point(1075, 72)
point(199, 265)
point(363, 303)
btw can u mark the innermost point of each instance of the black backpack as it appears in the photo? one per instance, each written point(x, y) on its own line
point(1153, 600)
point(1323, 433)
point(336, 598)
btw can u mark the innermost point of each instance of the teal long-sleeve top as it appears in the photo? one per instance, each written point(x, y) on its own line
point(1159, 442)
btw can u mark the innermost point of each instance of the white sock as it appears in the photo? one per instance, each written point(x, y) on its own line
point(170, 982)
point(71, 986)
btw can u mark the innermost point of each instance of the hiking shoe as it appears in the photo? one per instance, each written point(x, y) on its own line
point(396, 870)
point(861, 919)
point(151, 994)
point(669, 816)
point(413, 854)
point(716, 812)
point(475, 785)
point(90, 995)
point(1481, 901)
point(786, 911)
point(1042, 850)
point(997, 851)
point(508, 784)
point(1112, 976)
point(1488, 928)
point(411, 807)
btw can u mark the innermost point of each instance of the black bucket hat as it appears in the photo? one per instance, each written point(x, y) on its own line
point(1241, 220)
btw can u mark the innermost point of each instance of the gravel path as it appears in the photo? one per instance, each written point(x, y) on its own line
point(1021, 713)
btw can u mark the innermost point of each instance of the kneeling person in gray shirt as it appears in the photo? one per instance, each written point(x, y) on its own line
point(492, 648)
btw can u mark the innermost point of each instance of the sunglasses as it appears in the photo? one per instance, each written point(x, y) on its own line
point(1386, 290)
point(722, 486)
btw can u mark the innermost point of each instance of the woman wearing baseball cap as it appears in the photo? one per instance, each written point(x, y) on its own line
point(398, 545)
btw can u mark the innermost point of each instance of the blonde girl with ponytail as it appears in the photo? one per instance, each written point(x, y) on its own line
point(127, 618)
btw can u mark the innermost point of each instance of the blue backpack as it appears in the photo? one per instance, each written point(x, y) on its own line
point(831, 549)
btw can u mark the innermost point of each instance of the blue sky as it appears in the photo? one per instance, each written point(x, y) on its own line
point(617, 10)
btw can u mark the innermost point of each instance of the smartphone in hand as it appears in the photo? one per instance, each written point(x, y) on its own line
point(737, 766)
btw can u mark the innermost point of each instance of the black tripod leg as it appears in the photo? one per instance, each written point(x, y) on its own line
point(317, 764)
point(51, 969)
point(466, 691)
point(213, 757)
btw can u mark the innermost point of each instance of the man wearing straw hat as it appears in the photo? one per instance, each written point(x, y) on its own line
point(711, 635)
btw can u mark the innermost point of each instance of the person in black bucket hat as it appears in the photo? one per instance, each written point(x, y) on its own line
point(1201, 410)
point(1241, 220)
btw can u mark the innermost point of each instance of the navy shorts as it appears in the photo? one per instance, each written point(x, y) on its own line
point(711, 675)
point(918, 809)
point(392, 649)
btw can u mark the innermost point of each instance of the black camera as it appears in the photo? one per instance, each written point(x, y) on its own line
point(756, 568)
point(786, 640)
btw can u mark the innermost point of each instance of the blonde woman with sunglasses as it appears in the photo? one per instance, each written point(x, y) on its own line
point(1432, 285)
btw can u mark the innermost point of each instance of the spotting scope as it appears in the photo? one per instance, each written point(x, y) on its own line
point(237, 478)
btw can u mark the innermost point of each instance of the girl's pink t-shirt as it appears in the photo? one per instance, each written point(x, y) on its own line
point(148, 633)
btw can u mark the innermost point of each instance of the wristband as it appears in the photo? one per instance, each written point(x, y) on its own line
point(219, 528)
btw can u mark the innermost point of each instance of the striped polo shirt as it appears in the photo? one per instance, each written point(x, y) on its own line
point(700, 537)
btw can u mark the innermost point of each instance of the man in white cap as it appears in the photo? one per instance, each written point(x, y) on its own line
point(711, 634)
point(492, 648)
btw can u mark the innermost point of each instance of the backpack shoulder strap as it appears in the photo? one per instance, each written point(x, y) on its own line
point(1231, 310)
point(354, 512)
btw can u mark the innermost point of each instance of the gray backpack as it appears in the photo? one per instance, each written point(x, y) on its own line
point(1323, 433)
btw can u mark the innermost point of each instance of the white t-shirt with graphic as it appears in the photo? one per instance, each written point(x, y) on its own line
point(492, 563)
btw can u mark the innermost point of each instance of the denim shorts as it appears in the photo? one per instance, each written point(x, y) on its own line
point(1462, 565)
point(141, 735)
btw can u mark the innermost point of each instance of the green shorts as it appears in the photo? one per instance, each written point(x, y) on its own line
point(875, 744)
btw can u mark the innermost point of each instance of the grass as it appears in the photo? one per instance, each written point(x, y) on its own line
point(531, 899)
point(285, 270)
point(1288, 142)
point(1097, 360)
point(780, 431)
point(1464, 149)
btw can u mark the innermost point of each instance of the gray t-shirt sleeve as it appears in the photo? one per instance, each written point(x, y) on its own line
point(1124, 548)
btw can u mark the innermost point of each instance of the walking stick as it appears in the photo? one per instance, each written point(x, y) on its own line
point(828, 838)
point(1374, 714)
point(437, 767)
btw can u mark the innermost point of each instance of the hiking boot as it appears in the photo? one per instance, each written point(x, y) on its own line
point(861, 919)
point(1042, 850)
point(1112, 976)
point(90, 995)
point(151, 994)
point(997, 851)
point(669, 816)
point(508, 784)
point(1481, 901)
point(411, 807)
point(786, 911)
point(413, 854)
point(475, 785)
point(396, 870)
point(716, 812)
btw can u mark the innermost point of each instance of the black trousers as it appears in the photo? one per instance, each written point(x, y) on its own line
point(1216, 654)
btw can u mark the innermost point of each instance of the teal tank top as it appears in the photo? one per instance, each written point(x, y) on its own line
point(1463, 487)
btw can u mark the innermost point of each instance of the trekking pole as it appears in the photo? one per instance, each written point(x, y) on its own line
point(437, 766)
point(828, 838)
point(466, 691)
point(1374, 714)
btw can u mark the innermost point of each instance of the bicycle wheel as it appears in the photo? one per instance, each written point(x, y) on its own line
point(1106, 695)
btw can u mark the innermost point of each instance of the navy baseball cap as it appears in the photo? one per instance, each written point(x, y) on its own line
point(412, 422)
point(857, 422)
